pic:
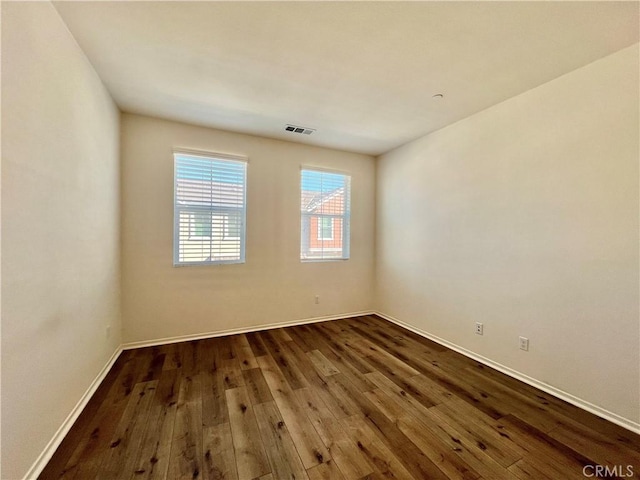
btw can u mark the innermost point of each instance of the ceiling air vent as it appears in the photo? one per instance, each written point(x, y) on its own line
point(297, 129)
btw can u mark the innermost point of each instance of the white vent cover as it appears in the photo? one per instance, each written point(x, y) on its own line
point(299, 129)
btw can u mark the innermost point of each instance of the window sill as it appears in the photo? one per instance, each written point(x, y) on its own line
point(322, 260)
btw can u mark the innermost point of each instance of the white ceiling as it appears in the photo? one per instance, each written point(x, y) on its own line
point(362, 73)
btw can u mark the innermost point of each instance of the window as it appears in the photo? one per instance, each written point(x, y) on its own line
point(325, 215)
point(325, 228)
point(200, 225)
point(209, 209)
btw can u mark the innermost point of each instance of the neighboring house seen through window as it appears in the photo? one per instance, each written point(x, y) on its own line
point(200, 225)
point(325, 228)
point(325, 215)
point(209, 209)
point(232, 226)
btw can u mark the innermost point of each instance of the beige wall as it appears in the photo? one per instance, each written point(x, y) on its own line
point(161, 301)
point(60, 229)
point(525, 217)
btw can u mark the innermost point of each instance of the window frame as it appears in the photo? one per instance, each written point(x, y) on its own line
point(220, 211)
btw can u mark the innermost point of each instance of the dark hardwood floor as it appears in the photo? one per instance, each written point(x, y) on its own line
point(346, 399)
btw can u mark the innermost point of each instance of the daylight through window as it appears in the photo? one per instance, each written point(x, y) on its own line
point(209, 209)
point(325, 215)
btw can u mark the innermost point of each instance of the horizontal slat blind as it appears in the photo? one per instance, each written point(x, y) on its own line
point(209, 215)
point(325, 215)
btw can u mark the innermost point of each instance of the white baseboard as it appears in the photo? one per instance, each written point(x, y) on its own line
point(556, 392)
point(234, 331)
point(56, 440)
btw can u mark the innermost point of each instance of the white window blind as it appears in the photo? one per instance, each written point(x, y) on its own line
point(325, 215)
point(209, 209)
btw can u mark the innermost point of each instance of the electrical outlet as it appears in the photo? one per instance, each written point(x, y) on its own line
point(479, 328)
point(317, 299)
point(524, 344)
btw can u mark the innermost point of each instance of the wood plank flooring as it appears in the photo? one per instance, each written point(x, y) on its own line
point(359, 398)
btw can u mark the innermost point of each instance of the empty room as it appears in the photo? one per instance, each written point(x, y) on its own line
point(320, 240)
